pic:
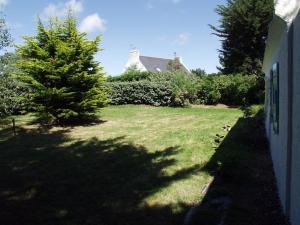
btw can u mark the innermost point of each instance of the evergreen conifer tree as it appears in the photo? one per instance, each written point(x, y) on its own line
point(243, 30)
point(58, 64)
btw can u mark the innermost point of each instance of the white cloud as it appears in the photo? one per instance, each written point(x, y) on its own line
point(3, 3)
point(61, 9)
point(182, 39)
point(92, 23)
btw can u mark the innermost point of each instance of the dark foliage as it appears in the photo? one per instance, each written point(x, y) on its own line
point(243, 31)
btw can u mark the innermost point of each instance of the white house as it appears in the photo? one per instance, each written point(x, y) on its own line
point(151, 64)
point(282, 69)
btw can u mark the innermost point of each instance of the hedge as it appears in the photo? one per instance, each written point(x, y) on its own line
point(129, 76)
point(141, 92)
point(180, 89)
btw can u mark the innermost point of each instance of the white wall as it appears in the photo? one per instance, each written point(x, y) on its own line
point(277, 51)
point(278, 142)
point(295, 185)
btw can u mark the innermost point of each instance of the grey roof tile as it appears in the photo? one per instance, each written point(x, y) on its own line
point(155, 64)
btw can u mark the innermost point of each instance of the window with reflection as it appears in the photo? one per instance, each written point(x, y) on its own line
point(275, 97)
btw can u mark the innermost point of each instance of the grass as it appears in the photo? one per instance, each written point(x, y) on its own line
point(140, 165)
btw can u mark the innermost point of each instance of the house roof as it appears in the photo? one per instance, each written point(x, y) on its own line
point(155, 64)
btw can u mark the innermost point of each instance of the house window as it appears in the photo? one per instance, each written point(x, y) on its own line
point(275, 97)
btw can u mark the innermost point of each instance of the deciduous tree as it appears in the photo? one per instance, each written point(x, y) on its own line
point(5, 37)
point(14, 94)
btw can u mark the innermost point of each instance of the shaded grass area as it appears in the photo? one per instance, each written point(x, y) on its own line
point(243, 191)
point(141, 165)
point(91, 182)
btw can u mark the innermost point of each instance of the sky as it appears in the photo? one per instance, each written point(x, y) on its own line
point(155, 27)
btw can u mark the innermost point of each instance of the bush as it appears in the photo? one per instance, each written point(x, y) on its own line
point(130, 75)
point(14, 96)
point(183, 85)
point(141, 92)
point(208, 91)
point(158, 89)
point(187, 88)
point(231, 89)
point(254, 111)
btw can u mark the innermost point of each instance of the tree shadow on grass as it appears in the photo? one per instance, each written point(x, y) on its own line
point(44, 180)
point(85, 122)
point(243, 191)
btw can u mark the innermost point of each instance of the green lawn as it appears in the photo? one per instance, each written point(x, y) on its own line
point(140, 165)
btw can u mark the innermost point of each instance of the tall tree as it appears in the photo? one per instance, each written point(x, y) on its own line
point(13, 93)
point(58, 63)
point(243, 31)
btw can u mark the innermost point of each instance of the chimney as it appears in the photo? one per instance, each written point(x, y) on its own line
point(179, 59)
point(176, 57)
point(134, 55)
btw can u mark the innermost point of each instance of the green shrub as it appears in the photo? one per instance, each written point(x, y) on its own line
point(183, 85)
point(208, 91)
point(254, 111)
point(130, 75)
point(231, 89)
point(158, 89)
point(141, 92)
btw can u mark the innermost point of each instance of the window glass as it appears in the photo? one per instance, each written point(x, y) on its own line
point(275, 97)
